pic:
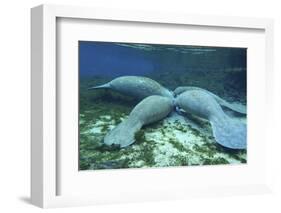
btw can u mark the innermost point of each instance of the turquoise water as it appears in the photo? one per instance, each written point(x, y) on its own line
point(177, 140)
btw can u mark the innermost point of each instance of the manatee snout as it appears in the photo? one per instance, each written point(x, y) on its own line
point(238, 108)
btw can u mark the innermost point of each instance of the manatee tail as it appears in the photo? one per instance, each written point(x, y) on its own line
point(229, 133)
point(104, 86)
point(123, 134)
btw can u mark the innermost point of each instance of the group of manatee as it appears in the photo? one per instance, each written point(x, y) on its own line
point(157, 102)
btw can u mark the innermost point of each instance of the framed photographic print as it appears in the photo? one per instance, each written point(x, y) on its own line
point(132, 106)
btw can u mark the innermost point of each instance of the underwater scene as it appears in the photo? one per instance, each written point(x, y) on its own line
point(155, 105)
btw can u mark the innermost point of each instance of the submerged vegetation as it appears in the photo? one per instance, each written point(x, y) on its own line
point(175, 141)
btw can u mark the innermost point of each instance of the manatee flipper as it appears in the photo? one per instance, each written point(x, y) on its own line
point(229, 133)
point(149, 110)
point(233, 106)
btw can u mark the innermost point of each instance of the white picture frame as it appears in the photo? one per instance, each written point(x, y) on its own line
point(45, 168)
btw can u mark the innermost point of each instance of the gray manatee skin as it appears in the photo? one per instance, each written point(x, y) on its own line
point(237, 108)
point(149, 110)
point(136, 86)
point(228, 132)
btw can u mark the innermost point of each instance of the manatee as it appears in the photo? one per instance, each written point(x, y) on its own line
point(149, 110)
point(136, 86)
point(227, 132)
point(235, 107)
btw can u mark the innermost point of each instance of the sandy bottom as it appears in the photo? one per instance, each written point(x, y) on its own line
point(178, 140)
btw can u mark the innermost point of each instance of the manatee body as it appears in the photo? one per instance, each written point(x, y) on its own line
point(149, 110)
point(227, 132)
point(136, 86)
point(235, 107)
